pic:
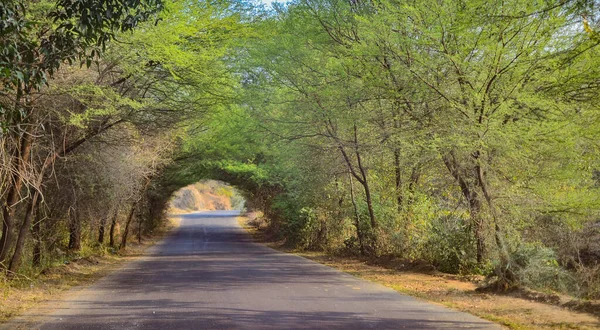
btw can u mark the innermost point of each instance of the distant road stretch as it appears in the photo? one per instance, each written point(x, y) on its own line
point(210, 275)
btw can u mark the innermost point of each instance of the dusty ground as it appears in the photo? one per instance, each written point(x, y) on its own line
point(24, 293)
point(512, 312)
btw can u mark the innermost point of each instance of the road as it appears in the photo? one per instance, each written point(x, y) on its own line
point(210, 275)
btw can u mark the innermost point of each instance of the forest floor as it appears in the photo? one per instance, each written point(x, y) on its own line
point(516, 310)
point(52, 282)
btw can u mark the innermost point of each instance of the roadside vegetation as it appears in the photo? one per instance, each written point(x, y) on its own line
point(515, 309)
point(458, 134)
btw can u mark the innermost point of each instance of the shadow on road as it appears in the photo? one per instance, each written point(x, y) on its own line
point(209, 275)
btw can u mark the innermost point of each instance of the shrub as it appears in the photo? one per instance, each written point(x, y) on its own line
point(535, 266)
point(451, 247)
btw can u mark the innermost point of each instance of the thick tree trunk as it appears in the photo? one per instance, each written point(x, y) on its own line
point(21, 161)
point(23, 232)
point(127, 225)
point(113, 225)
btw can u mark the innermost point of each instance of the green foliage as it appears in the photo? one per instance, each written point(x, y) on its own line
point(37, 39)
point(451, 247)
point(460, 125)
point(462, 134)
point(535, 266)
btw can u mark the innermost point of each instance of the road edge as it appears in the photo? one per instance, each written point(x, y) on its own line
point(52, 292)
point(323, 258)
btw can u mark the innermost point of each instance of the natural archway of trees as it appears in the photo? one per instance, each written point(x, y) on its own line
point(461, 133)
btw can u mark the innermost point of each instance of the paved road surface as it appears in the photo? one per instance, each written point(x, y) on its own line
point(209, 275)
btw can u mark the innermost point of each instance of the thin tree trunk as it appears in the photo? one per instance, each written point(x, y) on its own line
point(398, 172)
point(507, 273)
point(102, 228)
point(74, 232)
point(356, 218)
point(29, 215)
point(15, 262)
point(361, 175)
point(474, 202)
point(113, 224)
point(414, 180)
point(36, 232)
point(101, 233)
point(127, 224)
point(21, 161)
point(365, 181)
point(397, 168)
point(140, 230)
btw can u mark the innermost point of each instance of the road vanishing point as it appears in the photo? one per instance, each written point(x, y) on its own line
point(209, 274)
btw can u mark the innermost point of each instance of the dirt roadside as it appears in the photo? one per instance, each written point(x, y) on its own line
point(450, 291)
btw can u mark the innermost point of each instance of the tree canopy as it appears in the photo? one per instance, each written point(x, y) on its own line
point(459, 133)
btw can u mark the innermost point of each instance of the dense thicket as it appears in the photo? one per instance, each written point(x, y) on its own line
point(461, 133)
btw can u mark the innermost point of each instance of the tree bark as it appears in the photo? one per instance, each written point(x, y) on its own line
point(359, 234)
point(139, 230)
point(365, 181)
point(74, 232)
point(102, 228)
point(398, 172)
point(21, 161)
point(36, 232)
point(127, 224)
point(113, 224)
point(506, 273)
point(473, 200)
point(15, 262)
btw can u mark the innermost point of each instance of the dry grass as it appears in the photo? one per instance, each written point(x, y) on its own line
point(450, 291)
point(22, 293)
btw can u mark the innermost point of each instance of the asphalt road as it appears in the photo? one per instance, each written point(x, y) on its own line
point(209, 275)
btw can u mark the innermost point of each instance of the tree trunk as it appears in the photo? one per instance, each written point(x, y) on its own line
point(113, 224)
point(23, 232)
point(140, 230)
point(141, 221)
point(473, 200)
point(506, 274)
point(101, 229)
point(359, 234)
point(414, 180)
point(370, 204)
point(37, 237)
point(127, 224)
point(74, 232)
point(398, 172)
point(21, 161)
point(101, 233)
